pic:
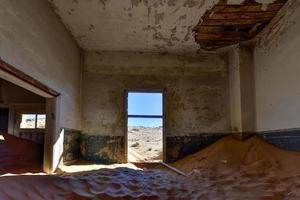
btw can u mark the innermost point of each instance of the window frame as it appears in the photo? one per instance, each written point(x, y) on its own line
point(36, 120)
point(127, 116)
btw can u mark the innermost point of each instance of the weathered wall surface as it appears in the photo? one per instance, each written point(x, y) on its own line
point(72, 143)
point(247, 88)
point(235, 90)
point(196, 97)
point(277, 72)
point(241, 89)
point(33, 40)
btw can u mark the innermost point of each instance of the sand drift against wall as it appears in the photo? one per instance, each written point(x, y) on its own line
point(228, 169)
point(252, 155)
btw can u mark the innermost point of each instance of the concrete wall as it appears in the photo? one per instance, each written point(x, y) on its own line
point(33, 39)
point(196, 97)
point(247, 88)
point(235, 90)
point(242, 90)
point(277, 72)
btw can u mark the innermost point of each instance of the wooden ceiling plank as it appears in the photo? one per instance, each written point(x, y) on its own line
point(245, 8)
point(233, 22)
point(226, 25)
point(217, 36)
point(240, 15)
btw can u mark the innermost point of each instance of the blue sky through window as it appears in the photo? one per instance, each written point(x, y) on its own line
point(140, 103)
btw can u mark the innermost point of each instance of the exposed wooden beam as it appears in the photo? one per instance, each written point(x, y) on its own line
point(240, 15)
point(225, 22)
point(219, 36)
point(245, 8)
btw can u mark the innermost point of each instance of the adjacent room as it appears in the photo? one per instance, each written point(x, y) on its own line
point(23, 125)
point(149, 99)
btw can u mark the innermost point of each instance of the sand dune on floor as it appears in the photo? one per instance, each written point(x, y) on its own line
point(19, 155)
point(251, 155)
point(229, 169)
point(118, 183)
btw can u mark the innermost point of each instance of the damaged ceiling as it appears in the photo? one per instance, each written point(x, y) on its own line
point(144, 25)
point(133, 25)
point(230, 23)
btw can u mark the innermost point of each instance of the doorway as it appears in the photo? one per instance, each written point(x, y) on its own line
point(145, 127)
point(52, 146)
point(4, 120)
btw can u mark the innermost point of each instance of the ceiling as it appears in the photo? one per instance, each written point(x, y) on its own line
point(227, 24)
point(164, 25)
point(133, 25)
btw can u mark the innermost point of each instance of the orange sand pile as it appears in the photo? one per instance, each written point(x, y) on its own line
point(252, 155)
point(19, 156)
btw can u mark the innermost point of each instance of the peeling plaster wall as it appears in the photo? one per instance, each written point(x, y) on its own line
point(277, 72)
point(33, 39)
point(196, 96)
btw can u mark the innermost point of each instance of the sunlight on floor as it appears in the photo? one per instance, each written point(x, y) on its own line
point(1, 137)
point(84, 166)
point(24, 174)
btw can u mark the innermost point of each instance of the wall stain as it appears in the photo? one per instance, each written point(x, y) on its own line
point(103, 2)
point(158, 17)
point(190, 3)
point(91, 27)
point(172, 2)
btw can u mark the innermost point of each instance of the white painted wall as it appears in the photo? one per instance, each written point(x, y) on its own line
point(235, 90)
point(277, 72)
point(33, 39)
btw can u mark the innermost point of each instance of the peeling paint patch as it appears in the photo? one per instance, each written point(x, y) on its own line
point(103, 2)
point(72, 141)
point(188, 34)
point(182, 17)
point(103, 149)
point(172, 2)
point(135, 3)
point(190, 3)
point(158, 17)
point(91, 27)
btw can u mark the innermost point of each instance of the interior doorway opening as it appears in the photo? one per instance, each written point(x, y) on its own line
point(145, 127)
point(22, 129)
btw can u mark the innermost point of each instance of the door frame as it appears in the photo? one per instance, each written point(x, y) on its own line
point(160, 91)
point(53, 98)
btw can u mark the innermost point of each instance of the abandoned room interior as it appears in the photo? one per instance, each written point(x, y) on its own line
point(149, 99)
